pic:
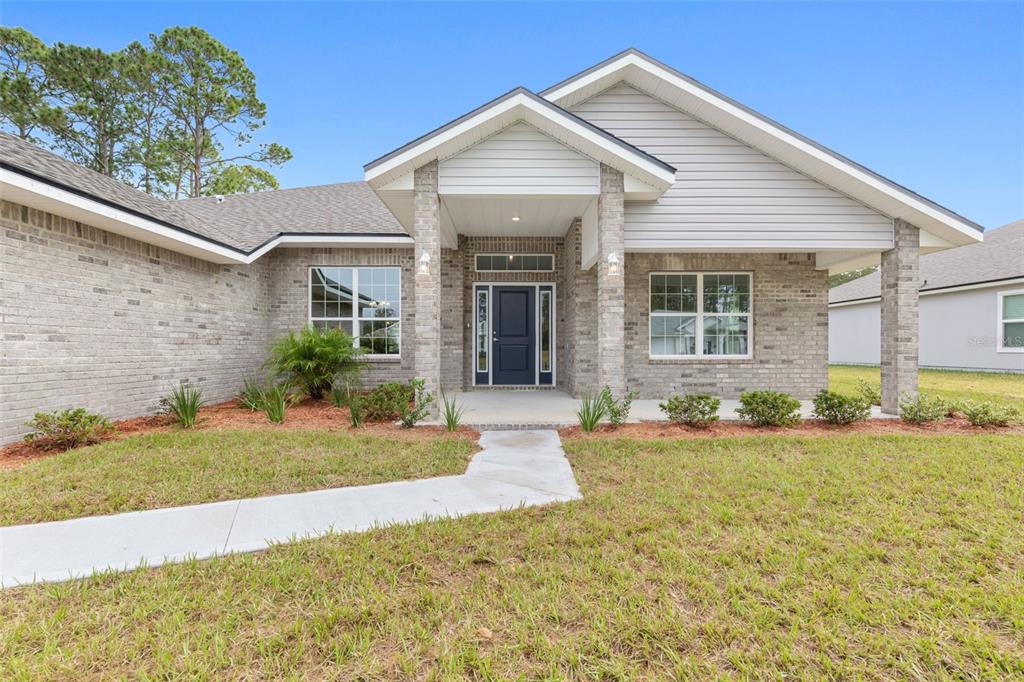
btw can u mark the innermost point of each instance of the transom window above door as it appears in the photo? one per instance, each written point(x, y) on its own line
point(700, 314)
point(364, 302)
point(515, 262)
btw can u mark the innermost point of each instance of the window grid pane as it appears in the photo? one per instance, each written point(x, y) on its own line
point(515, 262)
point(705, 314)
point(374, 321)
point(1013, 335)
point(1013, 307)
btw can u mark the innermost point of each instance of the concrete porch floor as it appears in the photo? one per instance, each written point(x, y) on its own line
point(546, 408)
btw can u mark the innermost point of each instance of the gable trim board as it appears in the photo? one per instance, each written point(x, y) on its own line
point(772, 138)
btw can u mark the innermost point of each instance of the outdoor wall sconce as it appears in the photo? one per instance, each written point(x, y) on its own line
point(425, 263)
point(613, 263)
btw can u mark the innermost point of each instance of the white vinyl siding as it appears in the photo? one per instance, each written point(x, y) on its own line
point(726, 193)
point(519, 160)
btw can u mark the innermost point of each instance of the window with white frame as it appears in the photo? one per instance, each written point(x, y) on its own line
point(515, 262)
point(1011, 321)
point(700, 314)
point(363, 301)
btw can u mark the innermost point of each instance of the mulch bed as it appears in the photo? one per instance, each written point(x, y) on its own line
point(308, 414)
point(808, 427)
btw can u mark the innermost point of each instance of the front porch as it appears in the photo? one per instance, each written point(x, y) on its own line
point(537, 409)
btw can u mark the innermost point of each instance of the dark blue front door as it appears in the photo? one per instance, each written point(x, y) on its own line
point(514, 335)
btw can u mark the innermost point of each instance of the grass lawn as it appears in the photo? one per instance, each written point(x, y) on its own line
point(170, 468)
point(1007, 389)
point(778, 556)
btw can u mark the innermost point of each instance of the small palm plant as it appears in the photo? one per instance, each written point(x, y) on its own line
point(276, 401)
point(452, 412)
point(184, 402)
point(314, 358)
point(593, 408)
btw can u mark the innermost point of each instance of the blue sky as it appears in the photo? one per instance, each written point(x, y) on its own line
point(929, 95)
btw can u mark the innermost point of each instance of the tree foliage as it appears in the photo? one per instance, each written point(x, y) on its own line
point(174, 117)
point(849, 276)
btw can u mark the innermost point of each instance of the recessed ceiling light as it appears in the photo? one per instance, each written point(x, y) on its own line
point(515, 219)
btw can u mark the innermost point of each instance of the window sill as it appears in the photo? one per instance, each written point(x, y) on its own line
point(1010, 350)
point(380, 358)
point(690, 359)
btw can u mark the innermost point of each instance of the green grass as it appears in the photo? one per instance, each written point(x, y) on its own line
point(186, 467)
point(874, 557)
point(1005, 389)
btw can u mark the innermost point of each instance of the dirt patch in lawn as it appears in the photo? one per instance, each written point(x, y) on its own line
point(807, 427)
point(309, 414)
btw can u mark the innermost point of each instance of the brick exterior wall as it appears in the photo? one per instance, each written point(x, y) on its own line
point(577, 330)
point(426, 230)
point(611, 302)
point(900, 280)
point(790, 328)
point(96, 320)
point(289, 299)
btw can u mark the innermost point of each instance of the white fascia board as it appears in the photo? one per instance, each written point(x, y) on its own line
point(30, 192)
point(515, 108)
point(719, 112)
point(40, 195)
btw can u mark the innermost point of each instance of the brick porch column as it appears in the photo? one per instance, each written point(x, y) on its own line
point(427, 289)
point(900, 276)
point(611, 287)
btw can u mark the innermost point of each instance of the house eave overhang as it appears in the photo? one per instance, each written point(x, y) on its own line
point(799, 152)
point(26, 188)
point(386, 173)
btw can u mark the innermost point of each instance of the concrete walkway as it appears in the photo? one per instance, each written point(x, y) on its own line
point(552, 409)
point(514, 469)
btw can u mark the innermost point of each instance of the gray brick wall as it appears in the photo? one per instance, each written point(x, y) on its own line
point(611, 368)
point(578, 329)
point(426, 230)
point(92, 319)
point(900, 282)
point(790, 328)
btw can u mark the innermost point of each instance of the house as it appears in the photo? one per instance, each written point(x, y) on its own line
point(628, 227)
point(971, 308)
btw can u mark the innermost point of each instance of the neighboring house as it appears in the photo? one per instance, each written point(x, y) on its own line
point(628, 227)
point(971, 308)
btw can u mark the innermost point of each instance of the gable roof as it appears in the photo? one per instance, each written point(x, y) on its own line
point(239, 228)
point(795, 150)
point(1000, 257)
point(519, 105)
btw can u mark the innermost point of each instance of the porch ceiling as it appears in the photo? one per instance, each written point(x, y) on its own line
point(539, 216)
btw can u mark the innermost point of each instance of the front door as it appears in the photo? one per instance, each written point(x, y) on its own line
point(514, 335)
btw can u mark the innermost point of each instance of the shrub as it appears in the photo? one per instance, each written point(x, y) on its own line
point(313, 358)
point(184, 402)
point(922, 408)
point(953, 406)
point(356, 403)
point(418, 408)
point(869, 392)
point(988, 414)
point(769, 408)
point(836, 408)
point(698, 411)
point(276, 401)
point(343, 388)
point(593, 408)
point(66, 429)
point(251, 396)
point(386, 402)
point(452, 412)
point(618, 410)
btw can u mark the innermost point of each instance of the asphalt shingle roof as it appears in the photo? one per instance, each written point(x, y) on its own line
point(999, 256)
point(242, 221)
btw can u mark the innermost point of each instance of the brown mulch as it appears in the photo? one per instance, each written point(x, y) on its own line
point(308, 414)
point(807, 427)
